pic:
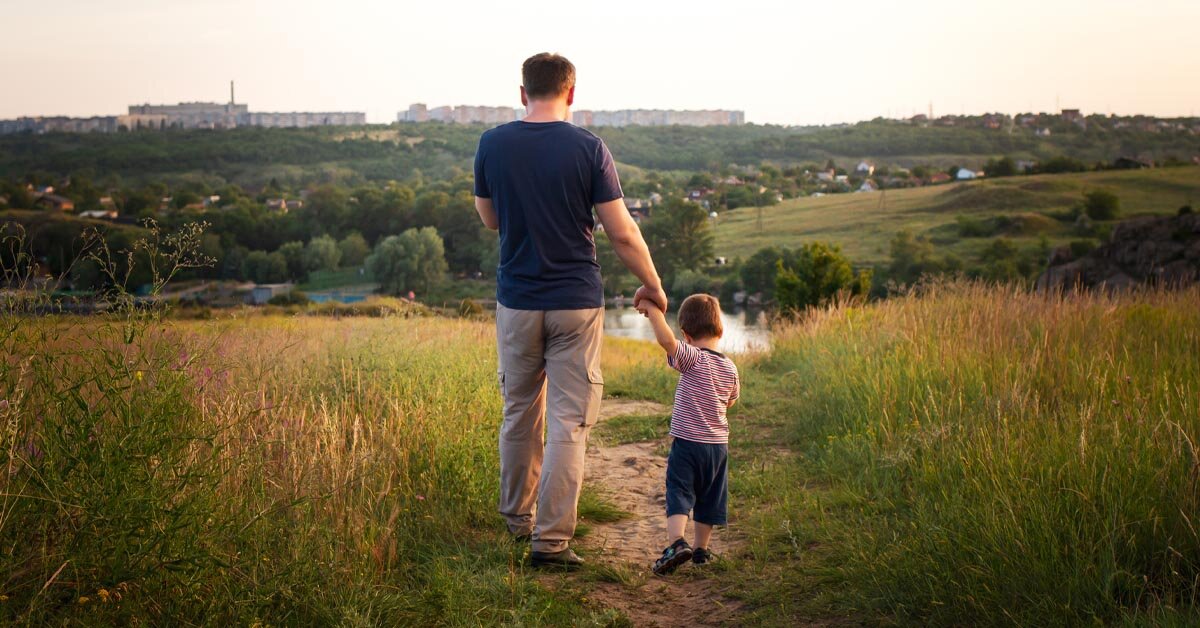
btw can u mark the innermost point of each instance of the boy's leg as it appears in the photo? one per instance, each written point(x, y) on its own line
point(712, 489)
point(703, 535)
point(676, 525)
point(681, 493)
point(574, 389)
point(523, 385)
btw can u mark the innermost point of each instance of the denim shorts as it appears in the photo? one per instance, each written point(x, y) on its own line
point(698, 481)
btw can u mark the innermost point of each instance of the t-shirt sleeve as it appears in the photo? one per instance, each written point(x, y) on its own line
point(606, 185)
point(737, 385)
point(684, 358)
point(481, 186)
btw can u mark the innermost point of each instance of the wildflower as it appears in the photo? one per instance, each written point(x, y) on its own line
point(83, 599)
point(420, 498)
point(3, 598)
point(103, 594)
point(3, 405)
point(138, 376)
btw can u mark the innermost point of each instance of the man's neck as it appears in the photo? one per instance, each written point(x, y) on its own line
point(547, 111)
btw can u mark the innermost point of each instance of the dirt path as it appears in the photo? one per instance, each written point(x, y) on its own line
point(632, 477)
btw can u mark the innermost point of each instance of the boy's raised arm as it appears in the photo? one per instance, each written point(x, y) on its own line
point(662, 331)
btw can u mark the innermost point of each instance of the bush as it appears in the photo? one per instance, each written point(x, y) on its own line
point(295, 297)
point(819, 274)
point(973, 227)
point(1101, 205)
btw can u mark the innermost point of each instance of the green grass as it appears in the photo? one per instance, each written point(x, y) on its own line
point(864, 224)
point(968, 456)
point(976, 456)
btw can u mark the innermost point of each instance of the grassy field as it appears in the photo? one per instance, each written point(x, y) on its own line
point(968, 456)
point(864, 224)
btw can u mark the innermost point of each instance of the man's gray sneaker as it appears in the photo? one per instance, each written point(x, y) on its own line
point(565, 558)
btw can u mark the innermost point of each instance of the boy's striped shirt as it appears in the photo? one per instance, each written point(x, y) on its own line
point(708, 381)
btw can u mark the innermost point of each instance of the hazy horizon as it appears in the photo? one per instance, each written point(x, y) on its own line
point(780, 62)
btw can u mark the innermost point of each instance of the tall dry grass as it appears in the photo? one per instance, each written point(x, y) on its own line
point(1003, 457)
point(255, 470)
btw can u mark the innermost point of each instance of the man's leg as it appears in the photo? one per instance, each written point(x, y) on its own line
point(523, 385)
point(574, 389)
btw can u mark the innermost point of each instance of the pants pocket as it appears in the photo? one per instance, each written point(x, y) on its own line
point(595, 393)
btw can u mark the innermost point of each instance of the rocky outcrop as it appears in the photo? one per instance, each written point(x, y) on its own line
point(1153, 250)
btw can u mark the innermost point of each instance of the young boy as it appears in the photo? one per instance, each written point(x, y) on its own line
point(697, 466)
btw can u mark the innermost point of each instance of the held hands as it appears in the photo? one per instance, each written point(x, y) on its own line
point(647, 297)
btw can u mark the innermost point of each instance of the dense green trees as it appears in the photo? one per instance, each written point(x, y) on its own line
point(680, 238)
point(354, 249)
point(322, 253)
point(413, 260)
point(263, 267)
point(818, 274)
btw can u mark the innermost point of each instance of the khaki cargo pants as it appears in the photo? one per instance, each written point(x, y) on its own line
point(551, 383)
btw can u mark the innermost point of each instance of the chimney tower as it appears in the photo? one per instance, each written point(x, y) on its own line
point(231, 100)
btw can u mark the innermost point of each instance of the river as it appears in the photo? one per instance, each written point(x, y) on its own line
point(745, 330)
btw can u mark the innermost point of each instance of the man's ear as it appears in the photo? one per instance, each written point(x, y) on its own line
point(571, 96)
point(524, 98)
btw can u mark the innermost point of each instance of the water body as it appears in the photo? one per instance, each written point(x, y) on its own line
point(745, 330)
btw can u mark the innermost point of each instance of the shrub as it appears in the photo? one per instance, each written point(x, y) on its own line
point(294, 297)
point(1101, 205)
point(819, 274)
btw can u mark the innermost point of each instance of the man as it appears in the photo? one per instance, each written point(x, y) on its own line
point(537, 180)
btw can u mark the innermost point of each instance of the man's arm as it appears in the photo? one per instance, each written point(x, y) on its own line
point(631, 248)
point(487, 212)
point(662, 331)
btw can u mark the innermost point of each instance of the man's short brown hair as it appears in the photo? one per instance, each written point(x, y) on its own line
point(700, 317)
point(547, 75)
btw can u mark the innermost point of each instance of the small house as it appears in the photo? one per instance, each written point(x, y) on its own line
point(867, 186)
point(965, 174)
point(864, 169)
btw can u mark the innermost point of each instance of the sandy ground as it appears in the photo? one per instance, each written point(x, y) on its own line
point(632, 476)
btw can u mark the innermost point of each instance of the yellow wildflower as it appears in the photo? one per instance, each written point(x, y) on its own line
point(83, 599)
point(103, 594)
point(138, 376)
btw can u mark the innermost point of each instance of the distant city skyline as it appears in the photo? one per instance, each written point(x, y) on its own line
point(780, 62)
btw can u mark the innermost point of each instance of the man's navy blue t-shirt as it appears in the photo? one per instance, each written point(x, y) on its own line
point(543, 179)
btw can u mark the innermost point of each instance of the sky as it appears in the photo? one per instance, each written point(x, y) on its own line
point(782, 62)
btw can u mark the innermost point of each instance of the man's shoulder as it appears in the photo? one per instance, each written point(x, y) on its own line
point(497, 131)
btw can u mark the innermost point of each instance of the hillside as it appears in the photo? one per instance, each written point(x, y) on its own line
point(253, 156)
point(864, 224)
